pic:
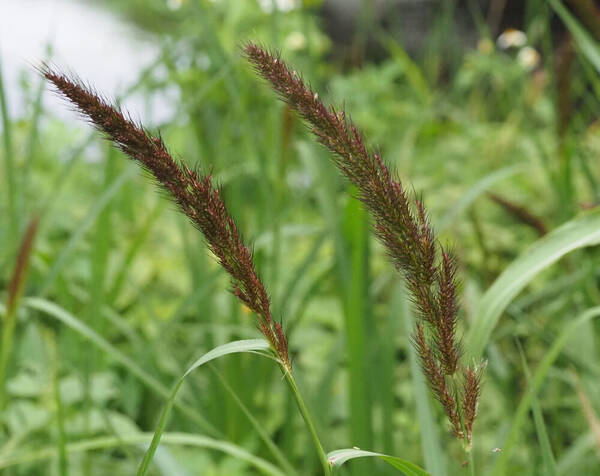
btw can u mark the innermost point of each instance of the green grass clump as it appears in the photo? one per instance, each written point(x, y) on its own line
point(120, 297)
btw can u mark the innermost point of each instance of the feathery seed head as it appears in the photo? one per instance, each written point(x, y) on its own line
point(194, 193)
point(402, 225)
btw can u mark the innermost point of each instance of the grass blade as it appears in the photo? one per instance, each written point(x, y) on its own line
point(587, 45)
point(577, 233)
point(87, 222)
point(57, 312)
point(356, 314)
point(15, 288)
point(338, 457)
point(309, 423)
point(61, 446)
point(575, 454)
point(32, 138)
point(536, 383)
point(587, 409)
point(9, 166)
point(476, 190)
point(262, 432)
point(136, 244)
point(181, 439)
point(250, 345)
point(540, 427)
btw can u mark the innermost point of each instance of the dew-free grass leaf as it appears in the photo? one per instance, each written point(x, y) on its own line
point(249, 345)
point(476, 190)
point(260, 429)
point(107, 442)
point(587, 45)
point(90, 218)
point(535, 383)
point(15, 288)
point(548, 460)
point(338, 457)
point(577, 233)
point(53, 310)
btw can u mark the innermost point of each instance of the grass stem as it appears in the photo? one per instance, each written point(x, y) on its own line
point(9, 171)
point(471, 460)
point(15, 289)
point(309, 423)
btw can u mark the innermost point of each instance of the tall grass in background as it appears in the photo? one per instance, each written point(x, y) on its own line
point(120, 296)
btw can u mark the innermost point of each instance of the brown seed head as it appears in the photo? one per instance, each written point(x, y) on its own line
point(194, 193)
point(401, 224)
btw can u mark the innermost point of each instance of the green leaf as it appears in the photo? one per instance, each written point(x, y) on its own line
point(535, 383)
point(548, 461)
point(52, 310)
point(578, 233)
point(260, 430)
point(250, 345)
point(106, 442)
point(92, 215)
point(338, 457)
point(355, 295)
point(587, 45)
point(476, 190)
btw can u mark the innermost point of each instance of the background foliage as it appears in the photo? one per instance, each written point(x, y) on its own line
point(121, 294)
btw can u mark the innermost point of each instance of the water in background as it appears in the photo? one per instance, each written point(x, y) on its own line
point(97, 45)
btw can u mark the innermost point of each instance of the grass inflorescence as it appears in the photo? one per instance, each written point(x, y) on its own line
point(193, 192)
point(403, 227)
point(110, 316)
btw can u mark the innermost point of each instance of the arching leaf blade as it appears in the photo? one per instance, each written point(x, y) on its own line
point(540, 374)
point(578, 233)
point(338, 457)
point(248, 345)
point(175, 439)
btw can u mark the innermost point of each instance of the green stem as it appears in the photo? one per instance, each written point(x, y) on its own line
point(8, 329)
point(8, 163)
point(309, 424)
point(471, 461)
point(281, 459)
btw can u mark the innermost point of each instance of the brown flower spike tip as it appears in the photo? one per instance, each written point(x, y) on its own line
point(403, 227)
point(194, 193)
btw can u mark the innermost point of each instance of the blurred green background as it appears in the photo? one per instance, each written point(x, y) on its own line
point(497, 131)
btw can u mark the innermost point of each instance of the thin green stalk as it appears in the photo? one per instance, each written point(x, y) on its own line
point(15, 289)
point(8, 163)
point(471, 462)
point(137, 439)
point(356, 310)
point(61, 442)
point(8, 329)
point(275, 451)
point(30, 148)
point(309, 423)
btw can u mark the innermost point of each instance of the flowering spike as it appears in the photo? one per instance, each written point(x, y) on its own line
point(401, 224)
point(471, 393)
point(442, 392)
point(193, 192)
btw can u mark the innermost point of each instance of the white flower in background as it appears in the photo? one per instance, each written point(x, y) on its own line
point(295, 41)
point(528, 57)
point(511, 38)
